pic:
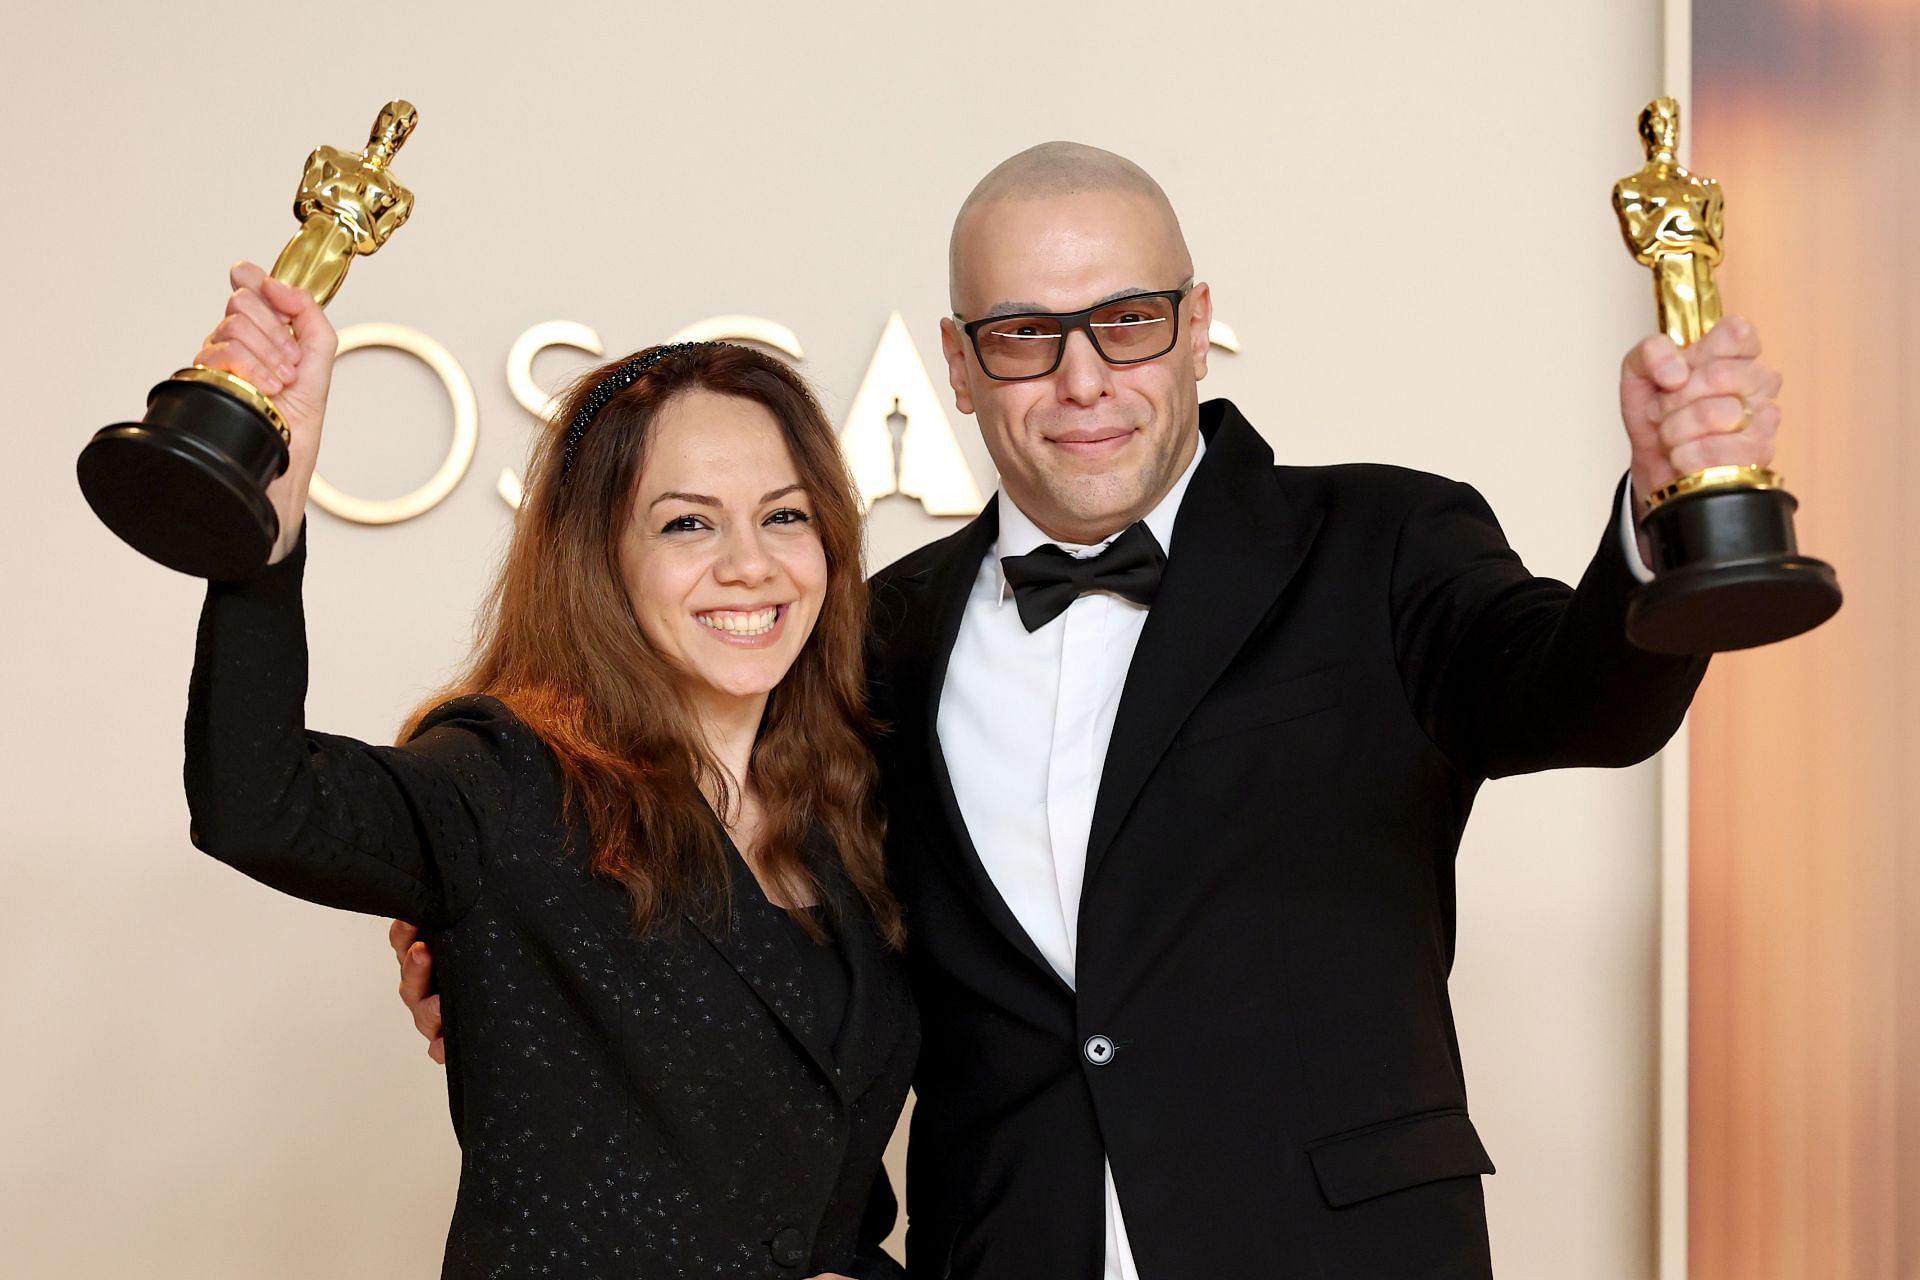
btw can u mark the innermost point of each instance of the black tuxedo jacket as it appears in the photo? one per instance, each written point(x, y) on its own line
point(1261, 1041)
point(666, 1105)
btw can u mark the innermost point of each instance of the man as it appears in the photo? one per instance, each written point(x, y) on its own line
point(1181, 747)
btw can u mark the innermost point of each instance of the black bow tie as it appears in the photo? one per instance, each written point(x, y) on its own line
point(1047, 580)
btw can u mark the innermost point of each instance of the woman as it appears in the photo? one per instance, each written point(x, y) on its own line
point(638, 830)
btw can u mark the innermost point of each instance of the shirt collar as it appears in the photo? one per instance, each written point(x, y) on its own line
point(1019, 535)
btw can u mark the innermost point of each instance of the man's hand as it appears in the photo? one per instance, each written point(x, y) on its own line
point(416, 986)
point(1710, 404)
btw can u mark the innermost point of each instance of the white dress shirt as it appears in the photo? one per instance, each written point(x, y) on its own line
point(1024, 722)
point(1630, 538)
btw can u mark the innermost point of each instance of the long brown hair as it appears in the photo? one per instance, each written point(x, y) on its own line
point(558, 644)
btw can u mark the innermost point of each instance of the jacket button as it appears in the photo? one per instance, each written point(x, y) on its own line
point(789, 1247)
point(1099, 1050)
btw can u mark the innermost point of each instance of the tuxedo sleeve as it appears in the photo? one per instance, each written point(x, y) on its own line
point(871, 1262)
point(396, 831)
point(1511, 673)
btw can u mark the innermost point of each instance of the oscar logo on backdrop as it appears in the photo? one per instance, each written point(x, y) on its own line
point(186, 486)
point(1727, 568)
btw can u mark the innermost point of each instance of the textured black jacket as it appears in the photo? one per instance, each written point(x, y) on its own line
point(656, 1107)
point(1261, 1040)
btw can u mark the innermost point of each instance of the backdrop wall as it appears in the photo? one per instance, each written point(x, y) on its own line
point(1403, 213)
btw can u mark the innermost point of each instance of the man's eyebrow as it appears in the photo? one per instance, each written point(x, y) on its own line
point(703, 500)
point(999, 309)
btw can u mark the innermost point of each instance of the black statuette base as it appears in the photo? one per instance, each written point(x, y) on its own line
point(187, 485)
point(1728, 575)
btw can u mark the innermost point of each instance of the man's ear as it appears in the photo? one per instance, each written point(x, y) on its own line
point(1199, 304)
point(953, 344)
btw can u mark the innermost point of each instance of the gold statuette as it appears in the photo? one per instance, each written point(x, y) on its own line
point(348, 205)
point(1673, 221)
point(186, 486)
point(1727, 570)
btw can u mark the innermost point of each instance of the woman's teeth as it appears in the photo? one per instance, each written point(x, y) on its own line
point(751, 622)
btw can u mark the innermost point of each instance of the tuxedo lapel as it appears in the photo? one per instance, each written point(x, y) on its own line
point(920, 665)
point(1236, 544)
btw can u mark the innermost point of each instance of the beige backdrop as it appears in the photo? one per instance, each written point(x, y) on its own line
point(1403, 211)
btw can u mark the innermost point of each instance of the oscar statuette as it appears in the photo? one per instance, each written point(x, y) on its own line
point(1727, 569)
point(186, 486)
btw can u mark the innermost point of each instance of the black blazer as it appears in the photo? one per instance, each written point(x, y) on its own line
point(658, 1106)
point(1261, 1041)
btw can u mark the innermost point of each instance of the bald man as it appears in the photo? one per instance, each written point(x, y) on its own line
point(1181, 747)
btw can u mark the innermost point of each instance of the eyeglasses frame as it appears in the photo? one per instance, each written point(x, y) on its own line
point(1070, 322)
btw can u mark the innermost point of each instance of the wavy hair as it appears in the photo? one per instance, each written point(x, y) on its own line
point(559, 645)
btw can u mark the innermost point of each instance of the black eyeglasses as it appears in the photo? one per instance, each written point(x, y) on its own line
point(1129, 330)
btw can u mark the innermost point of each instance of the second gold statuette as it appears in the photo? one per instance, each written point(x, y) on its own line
point(1728, 573)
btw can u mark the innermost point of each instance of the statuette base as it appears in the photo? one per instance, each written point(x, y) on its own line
point(1728, 574)
point(1726, 477)
point(185, 486)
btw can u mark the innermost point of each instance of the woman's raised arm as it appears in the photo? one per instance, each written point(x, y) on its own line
point(398, 831)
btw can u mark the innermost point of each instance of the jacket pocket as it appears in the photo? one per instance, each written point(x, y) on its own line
point(1399, 1154)
point(1226, 711)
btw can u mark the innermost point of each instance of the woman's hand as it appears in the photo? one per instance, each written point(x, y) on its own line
point(276, 337)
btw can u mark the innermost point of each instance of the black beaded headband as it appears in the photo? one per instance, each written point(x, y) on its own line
point(612, 385)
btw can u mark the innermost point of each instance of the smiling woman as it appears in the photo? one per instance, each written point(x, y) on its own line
point(726, 585)
point(639, 829)
point(714, 485)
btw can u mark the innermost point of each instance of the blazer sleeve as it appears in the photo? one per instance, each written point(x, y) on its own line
point(1511, 673)
point(397, 831)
